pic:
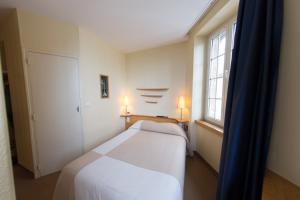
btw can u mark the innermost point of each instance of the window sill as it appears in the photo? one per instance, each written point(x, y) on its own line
point(217, 130)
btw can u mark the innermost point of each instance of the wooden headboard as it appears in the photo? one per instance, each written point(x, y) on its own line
point(131, 119)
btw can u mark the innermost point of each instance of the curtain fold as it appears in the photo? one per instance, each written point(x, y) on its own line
point(250, 99)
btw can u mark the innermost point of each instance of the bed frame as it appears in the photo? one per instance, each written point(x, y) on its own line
point(131, 119)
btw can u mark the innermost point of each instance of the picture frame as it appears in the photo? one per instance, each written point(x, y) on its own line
point(104, 86)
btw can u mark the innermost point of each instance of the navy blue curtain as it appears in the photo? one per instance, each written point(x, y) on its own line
point(250, 99)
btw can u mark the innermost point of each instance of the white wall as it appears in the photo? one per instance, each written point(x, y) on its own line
point(101, 117)
point(43, 34)
point(163, 67)
point(284, 156)
point(209, 145)
point(6, 177)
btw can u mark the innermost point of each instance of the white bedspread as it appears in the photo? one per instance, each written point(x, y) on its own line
point(146, 162)
point(112, 179)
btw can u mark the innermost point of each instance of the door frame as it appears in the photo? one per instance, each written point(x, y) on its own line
point(7, 152)
point(26, 64)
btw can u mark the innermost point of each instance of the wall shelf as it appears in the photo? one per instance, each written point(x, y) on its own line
point(151, 102)
point(153, 89)
point(152, 95)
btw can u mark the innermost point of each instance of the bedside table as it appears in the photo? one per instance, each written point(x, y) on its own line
point(184, 124)
point(127, 120)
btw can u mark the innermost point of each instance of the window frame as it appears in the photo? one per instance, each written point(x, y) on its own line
point(228, 28)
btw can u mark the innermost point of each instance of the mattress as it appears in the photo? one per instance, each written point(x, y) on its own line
point(145, 162)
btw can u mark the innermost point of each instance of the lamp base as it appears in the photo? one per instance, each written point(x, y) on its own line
point(180, 113)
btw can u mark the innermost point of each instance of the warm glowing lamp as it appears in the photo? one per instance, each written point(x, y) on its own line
point(181, 105)
point(126, 103)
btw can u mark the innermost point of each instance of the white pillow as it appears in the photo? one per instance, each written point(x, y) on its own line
point(168, 128)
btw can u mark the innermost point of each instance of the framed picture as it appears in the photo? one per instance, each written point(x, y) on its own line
point(104, 86)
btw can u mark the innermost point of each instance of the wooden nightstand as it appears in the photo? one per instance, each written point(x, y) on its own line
point(184, 124)
point(127, 120)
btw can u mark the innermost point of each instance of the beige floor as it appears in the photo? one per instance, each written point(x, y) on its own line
point(200, 180)
point(200, 184)
point(277, 188)
point(28, 188)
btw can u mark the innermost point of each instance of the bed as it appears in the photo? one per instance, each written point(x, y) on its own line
point(145, 162)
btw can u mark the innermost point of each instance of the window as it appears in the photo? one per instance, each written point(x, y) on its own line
point(232, 38)
point(219, 58)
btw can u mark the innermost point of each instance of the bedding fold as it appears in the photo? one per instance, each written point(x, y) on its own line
point(64, 189)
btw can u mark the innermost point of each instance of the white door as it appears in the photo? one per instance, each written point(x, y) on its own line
point(54, 93)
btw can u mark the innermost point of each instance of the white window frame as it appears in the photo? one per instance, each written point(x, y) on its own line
point(228, 28)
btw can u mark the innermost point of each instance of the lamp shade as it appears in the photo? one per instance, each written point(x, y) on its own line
point(125, 100)
point(181, 102)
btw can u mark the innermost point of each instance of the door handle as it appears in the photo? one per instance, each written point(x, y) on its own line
point(77, 108)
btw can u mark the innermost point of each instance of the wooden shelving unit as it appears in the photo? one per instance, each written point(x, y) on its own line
point(151, 102)
point(153, 89)
point(152, 95)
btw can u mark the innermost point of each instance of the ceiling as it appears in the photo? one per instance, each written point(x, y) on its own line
point(128, 25)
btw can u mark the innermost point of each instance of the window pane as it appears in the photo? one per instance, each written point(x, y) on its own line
point(233, 34)
point(221, 61)
point(218, 111)
point(219, 88)
point(212, 88)
point(213, 68)
point(214, 48)
point(211, 108)
point(216, 70)
point(222, 44)
point(232, 39)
